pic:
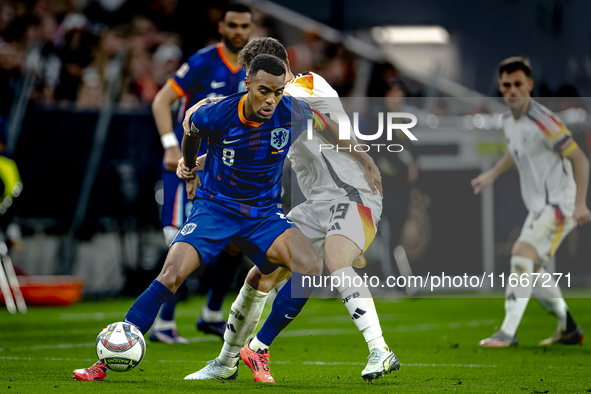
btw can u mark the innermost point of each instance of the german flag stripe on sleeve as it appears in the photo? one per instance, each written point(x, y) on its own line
point(556, 132)
point(305, 83)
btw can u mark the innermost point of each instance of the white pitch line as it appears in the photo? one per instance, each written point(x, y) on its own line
point(346, 319)
point(100, 316)
point(301, 333)
point(322, 363)
point(77, 345)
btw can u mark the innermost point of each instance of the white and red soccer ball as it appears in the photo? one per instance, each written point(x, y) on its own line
point(121, 346)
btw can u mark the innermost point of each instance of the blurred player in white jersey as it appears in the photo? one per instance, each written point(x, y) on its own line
point(554, 193)
point(340, 218)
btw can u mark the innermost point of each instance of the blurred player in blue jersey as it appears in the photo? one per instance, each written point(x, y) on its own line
point(210, 72)
point(239, 199)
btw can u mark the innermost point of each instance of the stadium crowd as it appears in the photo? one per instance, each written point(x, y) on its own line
point(69, 46)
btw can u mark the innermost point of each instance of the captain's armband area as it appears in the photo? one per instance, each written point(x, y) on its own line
point(565, 145)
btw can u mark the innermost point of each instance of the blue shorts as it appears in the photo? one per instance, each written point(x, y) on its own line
point(211, 226)
point(176, 206)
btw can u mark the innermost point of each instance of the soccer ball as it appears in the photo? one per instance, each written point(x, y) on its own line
point(120, 346)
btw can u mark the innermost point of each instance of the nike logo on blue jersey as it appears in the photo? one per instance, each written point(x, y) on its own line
point(288, 317)
point(225, 141)
point(217, 85)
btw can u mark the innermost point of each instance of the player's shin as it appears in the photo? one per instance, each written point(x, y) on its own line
point(550, 297)
point(144, 310)
point(517, 297)
point(242, 322)
point(289, 302)
point(361, 308)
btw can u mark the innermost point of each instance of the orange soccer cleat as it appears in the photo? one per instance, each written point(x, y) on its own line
point(97, 372)
point(258, 363)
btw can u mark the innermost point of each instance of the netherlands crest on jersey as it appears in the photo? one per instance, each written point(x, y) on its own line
point(188, 228)
point(279, 138)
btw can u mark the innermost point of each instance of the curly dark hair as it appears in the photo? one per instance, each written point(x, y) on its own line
point(259, 46)
point(268, 63)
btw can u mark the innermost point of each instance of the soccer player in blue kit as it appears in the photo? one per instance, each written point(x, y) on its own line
point(239, 199)
point(210, 72)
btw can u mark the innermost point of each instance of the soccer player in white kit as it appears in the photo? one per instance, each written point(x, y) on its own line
point(554, 175)
point(340, 218)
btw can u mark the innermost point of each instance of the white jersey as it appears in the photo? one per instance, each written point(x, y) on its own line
point(539, 143)
point(329, 174)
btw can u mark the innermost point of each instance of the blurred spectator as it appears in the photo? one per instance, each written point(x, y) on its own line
point(165, 62)
point(308, 54)
point(90, 95)
point(264, 25)
point(143, 33)
point(112, 42)
point(12, 59)
point(332, 61)
point(163, 13)
point(75, 43)
point(44, 61)
point(112, 12)
point(139, 81)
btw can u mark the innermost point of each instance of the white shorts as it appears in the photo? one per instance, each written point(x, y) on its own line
point(545, 230)
point(341, 216)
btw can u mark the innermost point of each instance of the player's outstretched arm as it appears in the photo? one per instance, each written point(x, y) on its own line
point(581, 214)
point(486, 179)
point(161, 111)
point(370, 170)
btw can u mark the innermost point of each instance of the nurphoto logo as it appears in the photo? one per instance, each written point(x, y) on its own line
point(393, 120)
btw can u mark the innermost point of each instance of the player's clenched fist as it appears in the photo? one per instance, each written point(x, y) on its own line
point(581, 214)
point(184, 172)
point(482, 181)
point(190, 175)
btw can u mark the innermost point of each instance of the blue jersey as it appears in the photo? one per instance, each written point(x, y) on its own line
point(245, 160)
point(208, 73)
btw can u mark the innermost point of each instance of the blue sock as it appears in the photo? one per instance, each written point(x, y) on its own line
point(287, 305)
point(144, 310)
point(168, 308)
point(220, 279)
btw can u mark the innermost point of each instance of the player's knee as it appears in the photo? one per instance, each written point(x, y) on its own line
point(523, 249)
point(169, 279)
point(310, 264)
point(333, 263)
point(257, 281)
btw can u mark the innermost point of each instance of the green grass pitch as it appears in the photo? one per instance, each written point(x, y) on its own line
point(320, 352)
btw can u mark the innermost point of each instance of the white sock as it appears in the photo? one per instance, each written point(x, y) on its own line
point(516, 298)
point(255, 345)
point(551, 298)
point(361, 308)
point(243, 320)
point(161, 325)
point(211, 316)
